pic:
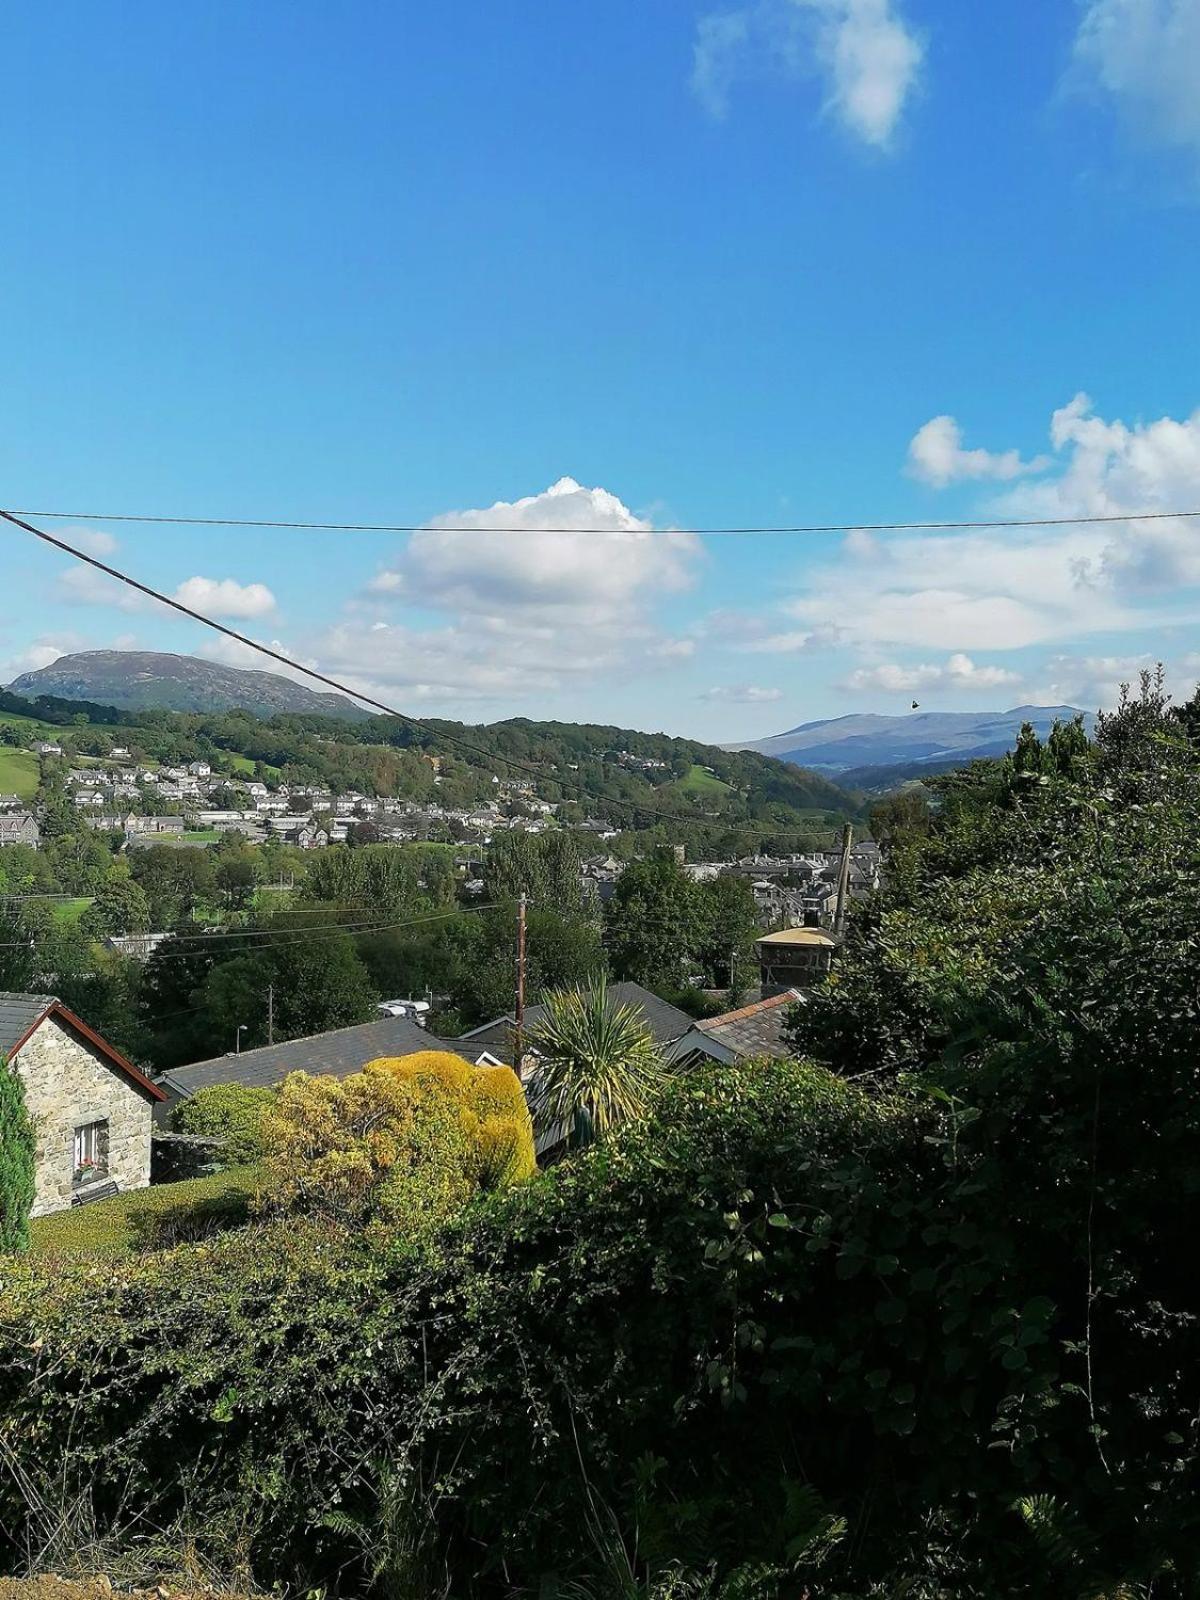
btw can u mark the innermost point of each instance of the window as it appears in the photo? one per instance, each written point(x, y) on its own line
point(91, 1151)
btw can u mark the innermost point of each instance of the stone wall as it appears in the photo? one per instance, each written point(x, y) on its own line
point(68, 1082)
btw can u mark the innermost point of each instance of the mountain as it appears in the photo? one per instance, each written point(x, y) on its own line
point(933, 740)
point(149, 680)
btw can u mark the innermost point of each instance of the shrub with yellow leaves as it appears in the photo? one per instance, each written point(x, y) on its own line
point(408, 1139)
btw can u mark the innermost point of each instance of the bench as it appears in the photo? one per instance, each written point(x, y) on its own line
point(95, 1191)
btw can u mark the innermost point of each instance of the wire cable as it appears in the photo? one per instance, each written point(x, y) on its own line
point(706, 532)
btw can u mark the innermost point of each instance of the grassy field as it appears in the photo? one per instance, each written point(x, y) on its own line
point(18, 773)
point(244, 765)
point(28, 725)
point(148, 1219)
point(702, 783)
point(70, 911)
point(200, 836)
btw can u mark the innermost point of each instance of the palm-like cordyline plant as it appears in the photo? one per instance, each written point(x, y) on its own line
point(598, 1064)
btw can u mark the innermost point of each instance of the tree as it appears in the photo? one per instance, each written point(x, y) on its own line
point(727, 926)
point(234, 1113)
point(900, 818)
point(598, 1065)
point(319, 984)
point(176, 881)
point(17, 1176)
point(650, 924)
point(120, 906)
point(236, 874)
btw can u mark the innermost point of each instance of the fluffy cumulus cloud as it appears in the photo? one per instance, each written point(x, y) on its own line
point(223, 597)
point(520, 597)
point(742, 694)
point(1144, 55)
point(936, 456)
point(957, 672)
point(1014, 588)
point(219, 597)
point(865, 52)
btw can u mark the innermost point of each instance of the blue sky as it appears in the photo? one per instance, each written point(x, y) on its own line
point(609, 263)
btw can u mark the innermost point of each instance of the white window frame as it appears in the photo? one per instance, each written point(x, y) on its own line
point(90, 1151)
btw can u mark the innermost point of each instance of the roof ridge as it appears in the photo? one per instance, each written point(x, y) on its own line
point(750, 1010)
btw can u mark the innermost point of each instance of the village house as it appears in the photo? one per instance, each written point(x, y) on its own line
point(45, 747)
point(19, 827)
point(91, 1109)
point(11, 802)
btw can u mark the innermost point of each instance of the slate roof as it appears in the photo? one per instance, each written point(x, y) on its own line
point(753, 1030)
point(666, 1022)
point(337, 1054)
point(19, 1015)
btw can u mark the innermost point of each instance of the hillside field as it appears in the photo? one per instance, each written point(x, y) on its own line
point(18, 773)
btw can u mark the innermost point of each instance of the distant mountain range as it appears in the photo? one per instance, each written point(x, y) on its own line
point(856, 749)
point(148, 680)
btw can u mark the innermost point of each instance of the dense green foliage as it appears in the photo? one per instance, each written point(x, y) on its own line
point(16, 1162)
point(663, 931)
point(230, 1112)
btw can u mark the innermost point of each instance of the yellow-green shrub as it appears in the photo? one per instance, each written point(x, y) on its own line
point(408, 1137)
point(231, 1112)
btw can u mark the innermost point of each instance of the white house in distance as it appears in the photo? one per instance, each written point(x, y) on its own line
point(90, 1108)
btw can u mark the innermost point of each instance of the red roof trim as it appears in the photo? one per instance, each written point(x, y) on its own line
point(57, 1009)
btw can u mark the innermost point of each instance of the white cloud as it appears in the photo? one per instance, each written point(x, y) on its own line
point(520, 612)
point(223, 597)
point(958, 672)
point(867, 54)
point(1094, 682)
point(1011, 588)
point(936, 456)
point(1145, 56)
point(742, 694)
point(42, 652)
point(674, 650)
point(85, 586)
point(873, 60)
point(94, 540)
point(549, 565)
point(720, 41)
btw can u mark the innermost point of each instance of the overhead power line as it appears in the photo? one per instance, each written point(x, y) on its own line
point(297, 525)
point(435, 734)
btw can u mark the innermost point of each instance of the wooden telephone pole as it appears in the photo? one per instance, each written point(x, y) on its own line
point(519, 1030)
point(843, 888)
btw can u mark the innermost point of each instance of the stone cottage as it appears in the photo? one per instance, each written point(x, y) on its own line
point(90, 1108)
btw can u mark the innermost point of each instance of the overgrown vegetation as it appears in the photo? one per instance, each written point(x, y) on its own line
point(933, 1332)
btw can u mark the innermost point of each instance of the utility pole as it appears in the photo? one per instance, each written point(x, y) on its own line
point(843, 888)
point(519, 1031)
point(270, 1013)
